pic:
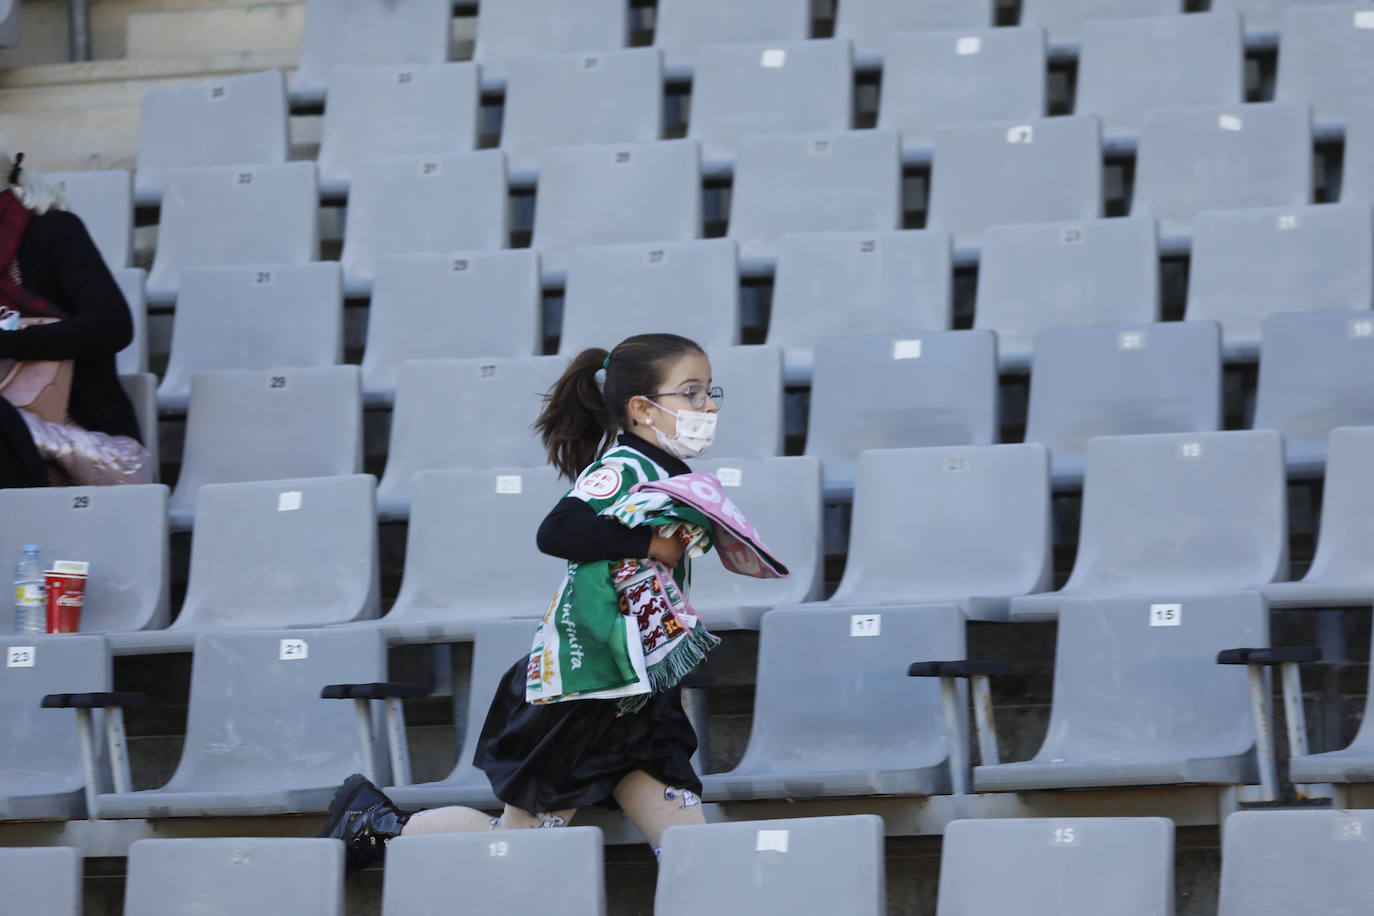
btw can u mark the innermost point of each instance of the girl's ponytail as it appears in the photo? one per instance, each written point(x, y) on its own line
point(575, 424)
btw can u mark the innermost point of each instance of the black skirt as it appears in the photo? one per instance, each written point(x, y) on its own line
point(573, 754)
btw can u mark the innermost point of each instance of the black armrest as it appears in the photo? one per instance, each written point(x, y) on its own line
point(1274, 656)
point(698, 680)
point(373, 691)
point(963, 668)
point(95, 700)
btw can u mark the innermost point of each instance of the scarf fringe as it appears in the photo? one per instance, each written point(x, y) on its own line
point(669, 672)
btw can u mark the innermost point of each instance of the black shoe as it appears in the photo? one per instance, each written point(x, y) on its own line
point(364, 818)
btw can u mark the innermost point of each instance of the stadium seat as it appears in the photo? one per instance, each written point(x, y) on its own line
point(834, 283)
point(607, 195)
point(752, 379)
point(1250, 264)
point(228, 120)
point(872, 24)
point(247, 424)
point(1262, 17)
point(966, 526)
point(286, 317)
point(283, 553)
point(1129, 67)
point(937, 79)
point(1122, 865)
point(514, 29)
point(573, 99)
point(235, 875)
point(1121, 380)
point(41, 776)
point(379, 112)
point(780, 88)
point(892, 391)
point(499, 644)
point(141, 387)
point(259, 740)
point(437, 306)
point(831, 865)
point(364, 32)
point(1173, 715)
point(782, 498)
point(132, 281)
point(683, 27)
point(410, 204)
point(1357, 178)
point(120, 531)
point(105, 202)
point(853, 182)
point(42, 881)
point(1035, 171)
point(1296, 862)
point(1064, 20)
point(1353, 763)
point(1052, 275)
point(556, 871)
point(222, 216)
point(1340, 574)
point(1316, 374)
point(1194, 159)
point(464, 413)
point(1188, 513)
point(1324, 55)
point(9, 23)
point(687, 288)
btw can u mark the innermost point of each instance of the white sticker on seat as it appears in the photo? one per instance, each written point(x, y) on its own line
point(1166, 615)
point(428, 168)
point(1362, 327)
point(1130, 340)
point(293, 650)
point(865, 624)
point(773, 58)
point(498, 849)
point(1345, 829)
point(1287, 221)
point(956, 464)
point(1065, 836)
point(1230, 122)
point(1364, 19)
point(244, 177)
point(1021, 133)
point(459, 265)
point(263, 278)
point(289, 500)
point(20, 657)
point(818, 146)
point(81, 502)
point(969, 44)
point(1190, 450)
point(730, 477)
point(589, 63)
point(1071, 235)
point(906, 349)
point(656, 256)
point(771, 840)
point(487, 370)
point(217, 92)
point(511, 484)
point(405, 77)
point(277, 383)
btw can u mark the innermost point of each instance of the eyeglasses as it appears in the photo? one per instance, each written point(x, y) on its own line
point(696, 395)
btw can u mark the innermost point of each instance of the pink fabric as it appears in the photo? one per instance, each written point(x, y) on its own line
point(738, 542)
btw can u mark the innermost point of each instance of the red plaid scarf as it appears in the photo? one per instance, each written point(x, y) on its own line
point(14, 220)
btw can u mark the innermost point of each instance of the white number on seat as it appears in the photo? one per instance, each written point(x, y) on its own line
point(293, 650)
point(1064, 836)
point(1166, 615)
point(20, 657)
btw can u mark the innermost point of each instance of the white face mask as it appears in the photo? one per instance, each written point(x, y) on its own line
point(696, 430)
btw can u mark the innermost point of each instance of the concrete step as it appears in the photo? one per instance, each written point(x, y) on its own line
point(221, 29)
point(44, 28)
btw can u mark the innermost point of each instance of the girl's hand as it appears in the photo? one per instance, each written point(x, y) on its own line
point(667, 551)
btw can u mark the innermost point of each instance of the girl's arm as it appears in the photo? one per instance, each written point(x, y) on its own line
point(574, 531)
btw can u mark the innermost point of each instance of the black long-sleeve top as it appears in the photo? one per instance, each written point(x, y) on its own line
point(58, 261)
point(573, 530)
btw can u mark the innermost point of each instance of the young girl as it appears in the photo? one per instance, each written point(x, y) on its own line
point(547, 760)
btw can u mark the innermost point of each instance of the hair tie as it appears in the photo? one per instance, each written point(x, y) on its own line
point(18, 167)
point(600, 378)
point(605, 363)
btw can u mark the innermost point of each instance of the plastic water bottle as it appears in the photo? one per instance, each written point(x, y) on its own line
point(30, 612)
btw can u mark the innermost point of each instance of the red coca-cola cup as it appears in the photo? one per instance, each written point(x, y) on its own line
point(66, 596)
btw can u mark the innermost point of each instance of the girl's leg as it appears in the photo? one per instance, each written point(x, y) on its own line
point(654, 807)
point(469, 820)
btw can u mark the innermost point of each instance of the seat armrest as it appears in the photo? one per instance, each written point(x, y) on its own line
point(1269, 656)
point(961, 668)
point(95, 700)
point(384, 691)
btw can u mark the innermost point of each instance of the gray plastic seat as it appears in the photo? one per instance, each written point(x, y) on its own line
point(1324, 54)
point(221, 216)
point(363, 32)
point(687, 288)
point(1172, 716)
point(1064, 20)
point(513, 29)
point(1112, 866)
point(752, 379)
point(608, 195)
point(284, 553)
point(132, 282)
point(890, 391)
point(42, 881)
point(1296, 862)
point(782, 498)
point(499, 644)
point(41, 775)
point(9, 23)
point(1249, 264)
point(252, 317)
point(1035, 171)
point(1194, 159)
point(557, 871)
point(1053, 275)
point(779, 88)
point(935, 79)
point(833, 283)
point(572, 99)
point(105, 202)
point(236, 875)
point(966, 526)
point(1119, 381)
point(464, 413)
point(141, 388)
point(1129, 67)
point(1189, 513)
point(1262, 18)
point(683, 27)
point(378, 112)
point(1316, 373)
point(1340, 574)
point(228, 120)
point(872, 24)
point(247, 424)
point(852, 182)
point(120, 531)
point(417, 204)
point(440, 306)
point(1357, 178)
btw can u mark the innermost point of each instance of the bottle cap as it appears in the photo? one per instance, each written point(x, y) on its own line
point(28, 547)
